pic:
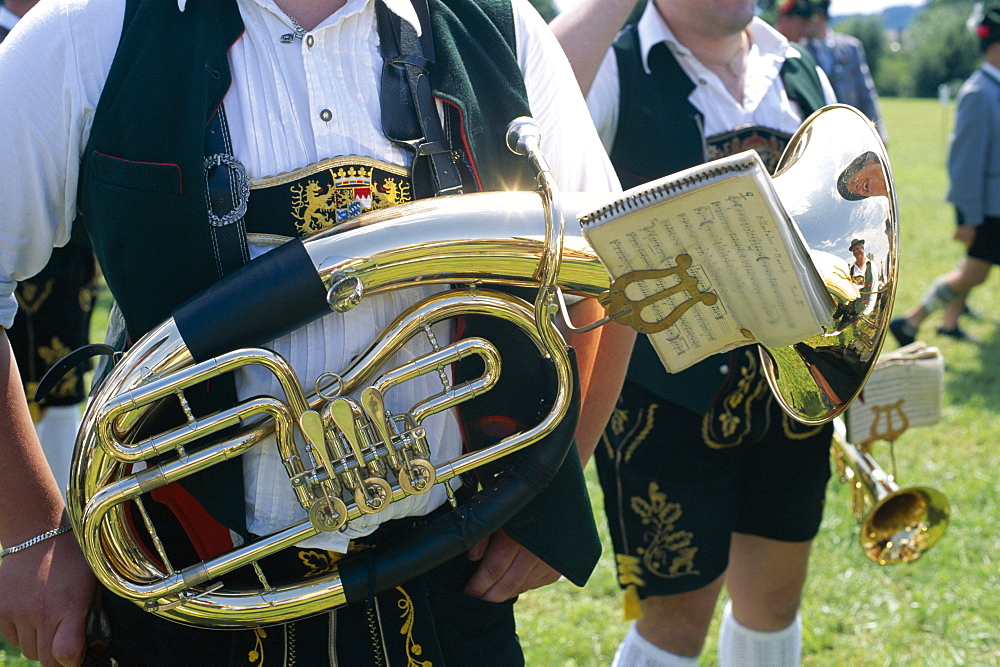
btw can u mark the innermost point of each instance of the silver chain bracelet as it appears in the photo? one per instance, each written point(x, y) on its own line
point(35, 540)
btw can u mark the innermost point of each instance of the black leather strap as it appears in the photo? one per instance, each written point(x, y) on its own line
point(228, 192)
point(64, 365)
point(409, 112)
point(287, 293)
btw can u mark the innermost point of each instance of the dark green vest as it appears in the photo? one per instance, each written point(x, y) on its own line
point(142, 195)
point(659, 133)
point(142, 187)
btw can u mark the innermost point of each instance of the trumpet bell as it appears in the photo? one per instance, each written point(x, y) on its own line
point(904, 524)
point(897, 525)
point(816, 379)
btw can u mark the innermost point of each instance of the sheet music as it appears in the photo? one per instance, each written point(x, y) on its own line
point(754, 277)
point(904, 390)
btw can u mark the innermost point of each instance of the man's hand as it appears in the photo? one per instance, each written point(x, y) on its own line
point(506, 569)
point(45, 592)
point(965, 234)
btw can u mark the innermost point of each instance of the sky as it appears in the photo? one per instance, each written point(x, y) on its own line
point(840, 7)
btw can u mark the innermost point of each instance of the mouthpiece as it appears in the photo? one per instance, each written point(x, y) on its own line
point(523, 136)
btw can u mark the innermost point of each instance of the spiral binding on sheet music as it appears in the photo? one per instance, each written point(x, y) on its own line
point(670, 186)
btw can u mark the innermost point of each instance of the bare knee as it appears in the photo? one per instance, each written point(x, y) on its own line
point(972, 272)
point(765, 581)
point(679, 623)
point(767, 611)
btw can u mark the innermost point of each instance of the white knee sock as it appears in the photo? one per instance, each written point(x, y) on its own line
point(740, 646)
point(637, 651)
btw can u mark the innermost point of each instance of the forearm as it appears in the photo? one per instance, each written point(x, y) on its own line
point(602, 358)
point(586, 31)
point(31, 503)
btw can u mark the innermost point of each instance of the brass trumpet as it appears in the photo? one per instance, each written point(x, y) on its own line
point(898, 525)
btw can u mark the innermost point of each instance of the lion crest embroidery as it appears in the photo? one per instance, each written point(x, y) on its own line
point(768, 143)
point(312, 205)
point(341, 193)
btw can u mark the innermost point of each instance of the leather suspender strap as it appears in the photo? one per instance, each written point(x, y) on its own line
point(409, 112)
point(227, 193)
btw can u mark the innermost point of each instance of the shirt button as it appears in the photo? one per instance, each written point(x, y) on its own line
point(326, 115)
point(310, 41)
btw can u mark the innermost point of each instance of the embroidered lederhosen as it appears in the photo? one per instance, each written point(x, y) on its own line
point(53, 319)
point(699, 422)
point(678, 484)
point(426, 621)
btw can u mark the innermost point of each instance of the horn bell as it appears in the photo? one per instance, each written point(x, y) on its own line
point(898, 525)
point(816, 379)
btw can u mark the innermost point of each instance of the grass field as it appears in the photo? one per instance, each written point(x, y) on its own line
point(941, 610)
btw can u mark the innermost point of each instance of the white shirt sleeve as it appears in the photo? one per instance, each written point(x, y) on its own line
point(603, 100)
point(828, 92)
point(52, 70)
point(569, 140)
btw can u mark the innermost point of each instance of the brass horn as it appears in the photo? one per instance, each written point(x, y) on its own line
point(345, 453)
point(815, 380)
point(898, 525)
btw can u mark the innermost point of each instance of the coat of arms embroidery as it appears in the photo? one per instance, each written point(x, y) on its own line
point(338, 194)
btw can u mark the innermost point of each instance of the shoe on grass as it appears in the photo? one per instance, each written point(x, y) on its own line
point(902, 331)
point(971, 313)
point(958, 333)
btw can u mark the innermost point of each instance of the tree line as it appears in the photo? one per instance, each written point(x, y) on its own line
point(935, 48)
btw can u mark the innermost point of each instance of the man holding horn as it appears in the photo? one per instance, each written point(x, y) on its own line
point(110, 109)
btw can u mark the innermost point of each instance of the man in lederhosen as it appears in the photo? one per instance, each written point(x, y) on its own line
point(706, 481)
point(973, 189)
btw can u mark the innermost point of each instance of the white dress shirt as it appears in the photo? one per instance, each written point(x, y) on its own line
point(765, 102)
point(51, 78)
